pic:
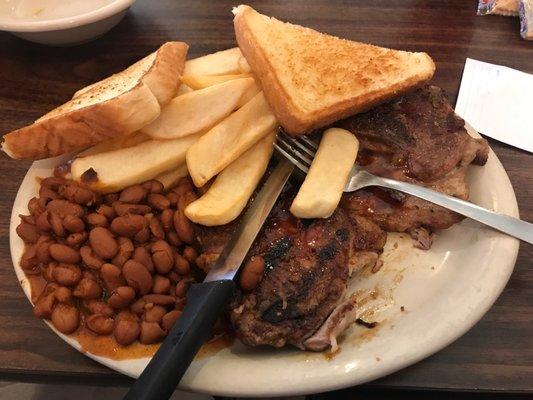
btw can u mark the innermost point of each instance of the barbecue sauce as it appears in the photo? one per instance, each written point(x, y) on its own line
point(37, 284)
point(107, 346)
point(372, 200)
point(216, 344)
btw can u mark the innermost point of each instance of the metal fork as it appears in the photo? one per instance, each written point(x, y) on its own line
point(301, 151)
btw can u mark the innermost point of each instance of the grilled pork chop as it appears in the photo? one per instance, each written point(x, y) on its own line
point(419, 139)
point(307, 268)
point(300, 300)
point(306, 277)
point(417, 136)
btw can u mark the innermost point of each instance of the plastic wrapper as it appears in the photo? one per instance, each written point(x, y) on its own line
point(500, 7)
point(526, 19)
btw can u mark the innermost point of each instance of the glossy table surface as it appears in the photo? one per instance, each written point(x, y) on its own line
point(496, 355)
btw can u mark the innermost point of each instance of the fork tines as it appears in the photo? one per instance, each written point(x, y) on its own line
point(300, 151)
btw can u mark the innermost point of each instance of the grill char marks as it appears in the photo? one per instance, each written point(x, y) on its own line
point(307, 266)
point(296, 296)
point(276, 252)
point(416, 138)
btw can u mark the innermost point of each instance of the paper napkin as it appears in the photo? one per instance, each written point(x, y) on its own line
point(498, 102)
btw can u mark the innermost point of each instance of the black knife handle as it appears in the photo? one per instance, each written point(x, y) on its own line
point(205, 302)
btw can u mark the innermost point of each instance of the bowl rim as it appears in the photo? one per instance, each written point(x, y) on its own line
point(13, 25)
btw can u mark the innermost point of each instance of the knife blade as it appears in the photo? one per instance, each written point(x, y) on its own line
point(231, 258)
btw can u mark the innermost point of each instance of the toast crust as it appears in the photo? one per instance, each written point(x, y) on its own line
point(84, 121)
point(293, 117)
point(84, 127)
point(163, 77)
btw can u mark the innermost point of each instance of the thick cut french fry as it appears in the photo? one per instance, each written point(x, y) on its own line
point(115, 144)
point(250, 93)
point(199, 110)
point(114, 170)
point(169, 179)
point(198, 82)
point(244, 66)
point(232, 188)
point(226, 141)
point(324, 184)
point(183, 89)
point(220, 63)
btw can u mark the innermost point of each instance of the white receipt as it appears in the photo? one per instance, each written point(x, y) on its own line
point(498, 102)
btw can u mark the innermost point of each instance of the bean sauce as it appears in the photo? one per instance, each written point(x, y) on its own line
point(106, 267)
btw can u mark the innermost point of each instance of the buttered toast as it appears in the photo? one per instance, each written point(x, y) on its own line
point(113, 107)
point(311, 79)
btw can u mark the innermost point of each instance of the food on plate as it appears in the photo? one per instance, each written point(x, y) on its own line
point(159, 70)
point(244, 66)
point(120, 142)
point(116, 247)
point(307, 269)
point(324, 184)
point(114, 264)
point(183, 89)
point(249, 94)
point(225, 142)
point(171, 178)
point(229, 193)
point(198, 110)
point(114, 170)
point(225, 62)
point(416, 138)
point(311, 79)
point(203, 81)
point(116, 106)
point(419, 139)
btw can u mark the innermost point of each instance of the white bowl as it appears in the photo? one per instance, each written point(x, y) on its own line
point(67, 31)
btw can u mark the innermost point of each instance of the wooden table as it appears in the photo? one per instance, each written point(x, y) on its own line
point(496, 355)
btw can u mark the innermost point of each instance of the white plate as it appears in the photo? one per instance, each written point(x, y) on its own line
point(444, 292)
point(64, 31)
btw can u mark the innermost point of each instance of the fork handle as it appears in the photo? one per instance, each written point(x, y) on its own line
point(512, 226)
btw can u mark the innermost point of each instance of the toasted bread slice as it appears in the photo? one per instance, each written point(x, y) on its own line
point(311, 79)
point(116, 106)
point(159, 70)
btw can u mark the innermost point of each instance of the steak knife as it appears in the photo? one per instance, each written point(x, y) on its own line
point(207, 300)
